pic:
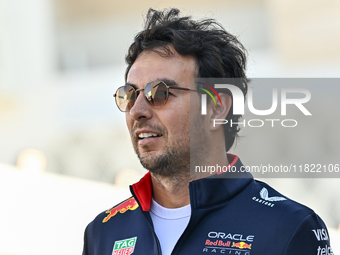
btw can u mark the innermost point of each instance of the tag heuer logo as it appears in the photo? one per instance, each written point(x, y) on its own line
point(124, 247)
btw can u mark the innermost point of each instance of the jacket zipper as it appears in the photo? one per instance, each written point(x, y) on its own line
point(188, 230)
point(148, 218)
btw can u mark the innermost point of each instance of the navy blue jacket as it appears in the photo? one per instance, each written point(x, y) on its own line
point(229, 216)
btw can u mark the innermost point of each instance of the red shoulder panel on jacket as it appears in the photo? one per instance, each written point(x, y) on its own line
point(143, 191)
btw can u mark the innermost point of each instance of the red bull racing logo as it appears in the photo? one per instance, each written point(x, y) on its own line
point(130, 204)
point(228, 243)
point(241, 245)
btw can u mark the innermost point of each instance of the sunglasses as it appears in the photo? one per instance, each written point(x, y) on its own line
point(156, 93)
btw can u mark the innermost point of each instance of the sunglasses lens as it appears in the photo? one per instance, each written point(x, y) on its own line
point(125, 98)
point(156, 93)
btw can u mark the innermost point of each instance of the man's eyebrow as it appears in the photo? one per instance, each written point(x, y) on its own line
point(130, 84)
point(169, 82)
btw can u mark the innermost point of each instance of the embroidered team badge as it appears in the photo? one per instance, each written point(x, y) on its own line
point(124, 247)
point(266, 200)
point(130, 204)
point(264, 195)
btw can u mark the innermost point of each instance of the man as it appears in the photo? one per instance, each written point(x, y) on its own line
point(171, 211)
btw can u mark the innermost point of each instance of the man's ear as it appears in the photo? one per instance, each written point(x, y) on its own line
point(219, 111)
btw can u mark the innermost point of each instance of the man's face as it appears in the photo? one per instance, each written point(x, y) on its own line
point(168, 149)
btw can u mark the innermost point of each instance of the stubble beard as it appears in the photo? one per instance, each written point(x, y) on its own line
point(173, 164)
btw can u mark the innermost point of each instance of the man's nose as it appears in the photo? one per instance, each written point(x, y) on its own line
point(141, 108)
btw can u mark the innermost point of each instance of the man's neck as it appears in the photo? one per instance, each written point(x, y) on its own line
point(172, 193)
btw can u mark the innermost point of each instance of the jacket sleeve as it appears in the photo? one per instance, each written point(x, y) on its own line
point(311, 237)
point(86, 250)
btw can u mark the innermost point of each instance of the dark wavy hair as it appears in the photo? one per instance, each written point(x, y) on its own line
point(218, 54)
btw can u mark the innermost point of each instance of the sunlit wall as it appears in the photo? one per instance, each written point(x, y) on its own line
point(60, 63)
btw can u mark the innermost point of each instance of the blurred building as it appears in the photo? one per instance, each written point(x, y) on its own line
point(61, 61)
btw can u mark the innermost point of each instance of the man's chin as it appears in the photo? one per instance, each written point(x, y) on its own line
point(148, 155)
point(148, 158)
point(154, 162)
point(149, 164)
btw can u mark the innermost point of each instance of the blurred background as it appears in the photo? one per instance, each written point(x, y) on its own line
point(65, 154)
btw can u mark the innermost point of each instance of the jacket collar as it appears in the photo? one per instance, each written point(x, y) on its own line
point(203, 192)
point(221, 187)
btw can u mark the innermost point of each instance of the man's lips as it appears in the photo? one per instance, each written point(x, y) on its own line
point(148, 140)
point(146, 136)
